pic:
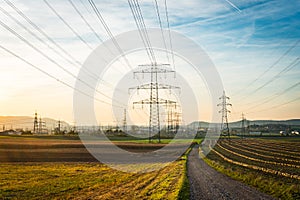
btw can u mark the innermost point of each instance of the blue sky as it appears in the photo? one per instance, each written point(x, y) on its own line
point(242, 38)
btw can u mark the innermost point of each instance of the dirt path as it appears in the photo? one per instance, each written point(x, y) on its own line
point(206, 183)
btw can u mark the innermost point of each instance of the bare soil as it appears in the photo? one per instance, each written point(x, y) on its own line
point(47, 149)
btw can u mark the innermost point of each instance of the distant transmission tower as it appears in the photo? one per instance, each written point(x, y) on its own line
point(171, 118)
point(40, 125)
point(58, 126)
point(177, 120)
point(224, 111)
point(124, 122)
point(243, 125)
point(35, 123)
point(154, 101)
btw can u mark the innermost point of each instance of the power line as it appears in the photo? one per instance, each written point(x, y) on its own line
point(35, 48)
point(137, 5)
point(277, 106)
point(139, 20)
point(135, 16)
point(107, 29)
point(41, 31)
point(140, 23)
point(269, 68)
point(85, 21)
point(91, 28)
point(101, 19)
point(50, 59)
point(77, 63)
point(37, 37)
point(53, 77)
point(294, 63)
point(286, 69)
point(161, 28)
point(86, 7)
point(170, 38)
point(270, 98)
point(62, 19)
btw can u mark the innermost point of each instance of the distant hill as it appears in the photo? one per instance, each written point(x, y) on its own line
point(25, 122)
point(291, 122)
point(238, 124)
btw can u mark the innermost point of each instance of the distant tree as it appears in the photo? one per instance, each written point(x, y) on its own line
point(26, 132)
point(72, 132)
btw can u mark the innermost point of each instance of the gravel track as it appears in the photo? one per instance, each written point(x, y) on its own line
point(206, 183)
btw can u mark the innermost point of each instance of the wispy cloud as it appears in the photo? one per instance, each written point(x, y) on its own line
point(234, 6)
point(242, 37)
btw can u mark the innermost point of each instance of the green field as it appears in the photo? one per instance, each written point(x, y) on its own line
point(87, 180)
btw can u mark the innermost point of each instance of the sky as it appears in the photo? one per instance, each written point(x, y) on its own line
point(254, 46)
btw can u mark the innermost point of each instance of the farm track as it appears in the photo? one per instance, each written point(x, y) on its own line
point(206, 183)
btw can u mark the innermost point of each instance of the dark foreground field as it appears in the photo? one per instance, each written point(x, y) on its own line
point(61, 168)
point(43, 149)
point(56, 149)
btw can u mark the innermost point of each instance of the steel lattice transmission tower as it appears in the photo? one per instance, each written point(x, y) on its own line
point(154, 101)
point(172, 120)
point(124, 122)
point(243, 125)
point(224, 103)
point(35, 123)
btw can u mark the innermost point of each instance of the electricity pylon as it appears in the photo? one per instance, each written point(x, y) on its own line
point(224, 111)
point(35, 123)
point(124, 122)
point(154, 101)
point(243, 125)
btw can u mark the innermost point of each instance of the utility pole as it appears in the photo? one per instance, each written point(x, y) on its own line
point(224, 111)
point(35, 123)
point(154, 101)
